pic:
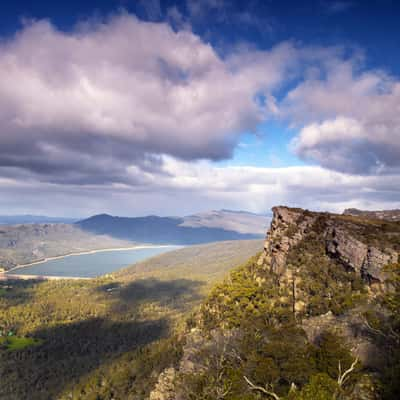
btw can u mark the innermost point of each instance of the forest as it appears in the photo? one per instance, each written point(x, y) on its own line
point(105, 332)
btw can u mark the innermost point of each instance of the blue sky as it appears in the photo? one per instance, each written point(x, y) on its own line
point(146, 107)
point(372, 25)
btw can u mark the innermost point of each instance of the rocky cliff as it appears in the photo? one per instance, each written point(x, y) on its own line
point(346, 239)
point(321, 298)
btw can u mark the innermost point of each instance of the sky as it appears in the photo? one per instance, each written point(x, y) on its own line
point(172, 108)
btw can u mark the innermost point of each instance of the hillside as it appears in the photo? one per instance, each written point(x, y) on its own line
point(22, 244)
point(316, 316)
point(237, 221)
point(195, 229)
point(206, 262)
point(108, 337)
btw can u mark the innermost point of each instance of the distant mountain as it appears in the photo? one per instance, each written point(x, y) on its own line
point(389, 215)
point(238, 221)
point(34, 219)
point(200, 228)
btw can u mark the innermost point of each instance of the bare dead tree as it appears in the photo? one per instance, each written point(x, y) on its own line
point(266, 390)
point(342, 377)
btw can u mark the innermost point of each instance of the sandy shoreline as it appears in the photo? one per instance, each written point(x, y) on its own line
point(78, 254)
point(6, 277)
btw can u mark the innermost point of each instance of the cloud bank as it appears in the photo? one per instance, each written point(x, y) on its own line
point(188, 187)
point(123, 108)
point(121, 92)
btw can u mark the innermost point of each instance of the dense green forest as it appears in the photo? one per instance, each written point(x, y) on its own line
point(106, 337)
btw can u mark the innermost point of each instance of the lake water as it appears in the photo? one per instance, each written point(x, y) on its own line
point(93, 264)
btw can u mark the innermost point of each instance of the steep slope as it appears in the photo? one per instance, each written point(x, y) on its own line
point(316, 316)
point(165, 230)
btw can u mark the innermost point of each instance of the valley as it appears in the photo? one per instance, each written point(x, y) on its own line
point(23, 244)
point(312, 313)
point(107, 329)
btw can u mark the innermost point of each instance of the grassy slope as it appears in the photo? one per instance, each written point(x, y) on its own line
point(207, 263)
point(94, 333)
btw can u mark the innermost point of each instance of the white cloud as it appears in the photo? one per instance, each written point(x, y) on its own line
point(125, 112)
point(125, 89)
point(186, 187)
point(351, 118)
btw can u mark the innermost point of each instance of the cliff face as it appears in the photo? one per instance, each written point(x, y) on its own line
point(343, 241)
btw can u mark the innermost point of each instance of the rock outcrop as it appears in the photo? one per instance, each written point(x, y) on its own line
point(366, 260)
point(290, 226)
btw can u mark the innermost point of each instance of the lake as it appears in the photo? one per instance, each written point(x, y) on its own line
point(92, 264)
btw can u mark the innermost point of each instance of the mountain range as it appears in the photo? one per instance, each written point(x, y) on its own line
point(199, 228)
point(29, 242)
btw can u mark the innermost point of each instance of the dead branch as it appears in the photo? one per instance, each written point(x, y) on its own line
point(343, 377)
point(261, 389)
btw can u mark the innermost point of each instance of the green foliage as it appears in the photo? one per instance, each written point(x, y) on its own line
point(106, 338)
point(330, 353)
point(391, 300)
point(320, 387)
point(391, 328)
point(18, 343)
point(129, 376)
point(277, 358)
point(248, 297)
point(390, 380)
point(281, 358)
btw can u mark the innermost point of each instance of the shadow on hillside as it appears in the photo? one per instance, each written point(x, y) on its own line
point(73, 350)
point(69, 352)
point(175, 294)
